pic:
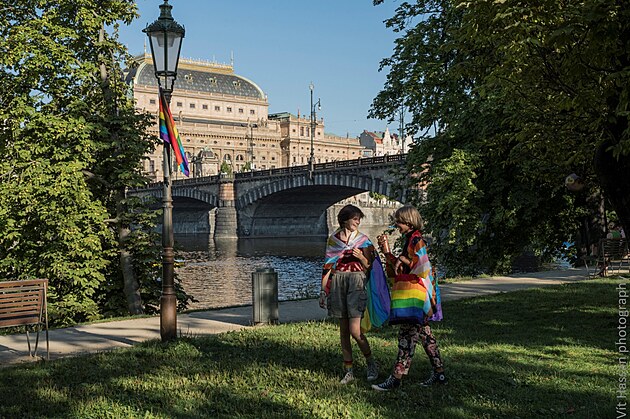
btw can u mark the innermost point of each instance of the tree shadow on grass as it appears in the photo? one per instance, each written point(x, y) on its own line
point(544, 352)
point(236, 373)
point(507, 355)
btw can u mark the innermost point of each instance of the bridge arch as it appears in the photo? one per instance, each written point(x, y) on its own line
point(297, 205)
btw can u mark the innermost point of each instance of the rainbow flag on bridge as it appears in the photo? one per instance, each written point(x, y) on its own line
point(168, 133)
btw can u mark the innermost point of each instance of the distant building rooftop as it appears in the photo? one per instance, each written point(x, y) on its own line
point(199, 76)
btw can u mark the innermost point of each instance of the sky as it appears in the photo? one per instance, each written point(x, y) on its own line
point(284, 45)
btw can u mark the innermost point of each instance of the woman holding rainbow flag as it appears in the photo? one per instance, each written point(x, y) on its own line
point(415, 300)
point(349, 259)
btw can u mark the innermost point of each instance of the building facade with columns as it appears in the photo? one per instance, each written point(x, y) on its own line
point(223, 119)
point(295, 131)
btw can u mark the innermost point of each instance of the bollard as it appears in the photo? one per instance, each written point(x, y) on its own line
point(265, 296)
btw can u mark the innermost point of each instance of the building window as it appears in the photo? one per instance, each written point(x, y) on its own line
point(229, 109)
point(217, 108)
point(273, 158)
point(252, 112)
point(152, 101)
point(180, 104)
point(192, 106)
point(204, 107)
point(301, 131)
point(293, 129)
point(240, 110)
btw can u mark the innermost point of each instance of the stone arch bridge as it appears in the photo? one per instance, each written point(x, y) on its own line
point(288, 201)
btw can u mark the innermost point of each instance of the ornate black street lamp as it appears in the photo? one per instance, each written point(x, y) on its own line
point(311, 159)
point(165, 36)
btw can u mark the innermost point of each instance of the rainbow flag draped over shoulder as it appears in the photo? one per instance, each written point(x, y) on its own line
point(378, 302)
point(168, 133)
point(416, 295)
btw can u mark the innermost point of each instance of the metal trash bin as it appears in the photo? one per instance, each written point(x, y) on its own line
point(265, 296)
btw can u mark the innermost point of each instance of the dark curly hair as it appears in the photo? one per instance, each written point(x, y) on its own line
point(347, 213)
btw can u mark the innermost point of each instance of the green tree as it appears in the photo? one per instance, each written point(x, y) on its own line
point(226, 168)
point(73, 143)
point(515, 96)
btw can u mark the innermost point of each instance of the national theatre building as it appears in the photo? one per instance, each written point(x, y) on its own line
point(223, 118)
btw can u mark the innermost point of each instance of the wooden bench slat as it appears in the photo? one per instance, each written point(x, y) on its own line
point(26, 282)
point(25, 294)
point(4, 314)
point(20, 321)
point(20, 303)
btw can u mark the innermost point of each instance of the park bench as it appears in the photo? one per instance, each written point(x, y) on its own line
point(612, 256)
point(23, 303)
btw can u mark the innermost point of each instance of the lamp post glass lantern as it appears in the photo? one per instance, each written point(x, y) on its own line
point(165, 37)
point(311, 159)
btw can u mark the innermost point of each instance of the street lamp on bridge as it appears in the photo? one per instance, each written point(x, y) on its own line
point(311, 159)
point(165, 37)
point(250, 143)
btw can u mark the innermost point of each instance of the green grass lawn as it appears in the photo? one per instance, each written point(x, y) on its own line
point(547, 352)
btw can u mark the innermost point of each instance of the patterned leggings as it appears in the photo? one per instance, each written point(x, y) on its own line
point(408, 337)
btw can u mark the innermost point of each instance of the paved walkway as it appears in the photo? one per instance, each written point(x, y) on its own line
point(118, 334)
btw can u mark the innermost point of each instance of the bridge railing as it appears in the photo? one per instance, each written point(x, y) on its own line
point(368, 161)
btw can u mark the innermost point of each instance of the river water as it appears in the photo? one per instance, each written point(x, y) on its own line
point(218, 273)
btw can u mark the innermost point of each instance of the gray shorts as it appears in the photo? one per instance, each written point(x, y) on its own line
point(347, 298)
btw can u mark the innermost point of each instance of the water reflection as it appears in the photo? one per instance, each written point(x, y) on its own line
point(218, 273)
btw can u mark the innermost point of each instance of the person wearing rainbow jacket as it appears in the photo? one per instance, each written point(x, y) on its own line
point(415, 300)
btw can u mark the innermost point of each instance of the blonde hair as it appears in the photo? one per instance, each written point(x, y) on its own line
point(409, 215)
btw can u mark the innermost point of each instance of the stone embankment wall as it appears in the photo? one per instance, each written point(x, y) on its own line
point(377, 213)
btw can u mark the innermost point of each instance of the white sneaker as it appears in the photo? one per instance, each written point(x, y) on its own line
point(347, 378)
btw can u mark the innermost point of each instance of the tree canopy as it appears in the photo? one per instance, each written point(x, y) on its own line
point(72, 143)
point(508, 98)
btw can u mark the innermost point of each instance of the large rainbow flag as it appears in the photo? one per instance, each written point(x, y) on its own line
point(168, 133)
